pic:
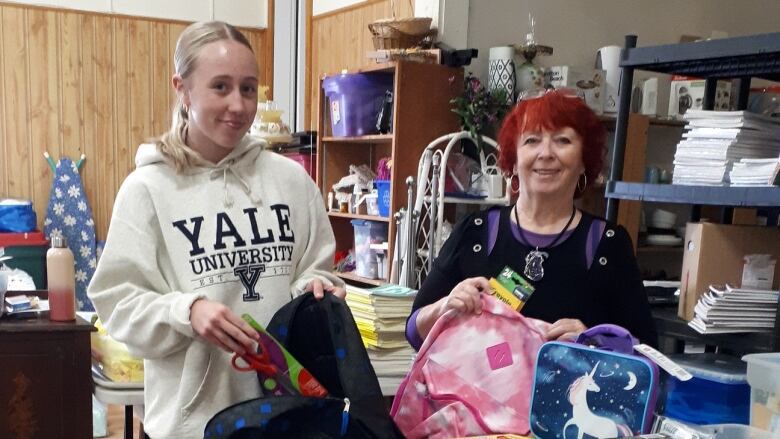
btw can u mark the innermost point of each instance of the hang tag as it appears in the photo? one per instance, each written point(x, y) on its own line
point(663, 362)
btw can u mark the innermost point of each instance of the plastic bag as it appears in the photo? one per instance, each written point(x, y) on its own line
point(118, 364)
point(16, 216)
point(462, 175)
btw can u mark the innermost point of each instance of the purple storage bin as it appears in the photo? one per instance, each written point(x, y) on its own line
point(355, 101)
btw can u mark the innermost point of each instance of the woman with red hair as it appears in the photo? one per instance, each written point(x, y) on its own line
point(582, 267)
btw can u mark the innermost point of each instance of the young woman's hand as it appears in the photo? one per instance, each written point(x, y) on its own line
point(565, 329)
point(465, 297)
point(319, 289)
point(222, 327)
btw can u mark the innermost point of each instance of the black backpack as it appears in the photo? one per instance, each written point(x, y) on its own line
point(323, 336)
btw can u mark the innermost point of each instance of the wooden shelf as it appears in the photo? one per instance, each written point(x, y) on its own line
point(421, 113)
point(383, 219)
point(371, 138)
point(355, 278)
point(376, 67)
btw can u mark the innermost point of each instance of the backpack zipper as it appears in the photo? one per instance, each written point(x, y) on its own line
point(345, 417)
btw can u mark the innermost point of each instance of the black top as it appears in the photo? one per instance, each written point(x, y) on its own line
point(610, 291)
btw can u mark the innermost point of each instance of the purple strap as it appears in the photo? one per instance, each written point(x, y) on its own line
point(493, 216)
point(594, 237)
point(535, 239)
point(412, 335)
point(609, 338)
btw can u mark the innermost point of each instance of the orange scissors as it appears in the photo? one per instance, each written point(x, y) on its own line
point(270, 378)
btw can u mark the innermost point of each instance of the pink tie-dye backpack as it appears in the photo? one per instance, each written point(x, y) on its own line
point(472, 376)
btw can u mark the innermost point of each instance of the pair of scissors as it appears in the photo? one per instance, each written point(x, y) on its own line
point(270, 378)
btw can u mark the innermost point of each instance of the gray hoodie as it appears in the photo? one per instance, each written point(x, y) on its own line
point(249, 232)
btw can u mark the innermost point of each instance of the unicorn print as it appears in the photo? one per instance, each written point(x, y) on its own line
point(585, 420)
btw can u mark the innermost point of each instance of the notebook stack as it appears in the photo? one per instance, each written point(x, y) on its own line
point(380, 314)
point(756, 172)
point(724, 310)
point(715, 140)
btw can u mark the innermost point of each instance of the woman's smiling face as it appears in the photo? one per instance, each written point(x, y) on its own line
point(549, 162)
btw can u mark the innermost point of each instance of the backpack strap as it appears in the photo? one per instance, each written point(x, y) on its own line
point(493, 219)
point(595, 232)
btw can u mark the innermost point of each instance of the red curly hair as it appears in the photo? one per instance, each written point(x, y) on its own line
point(551, 112)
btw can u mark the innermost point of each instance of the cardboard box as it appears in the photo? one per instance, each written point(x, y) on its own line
point(688, 93)
point(591, 83)
point(714, 254)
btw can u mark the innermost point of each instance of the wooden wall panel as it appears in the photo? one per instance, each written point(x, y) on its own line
point(339, 40)
point(88, 68)
point(44, 100)
point(103, 120)
point(75, 83)
point(16, 92)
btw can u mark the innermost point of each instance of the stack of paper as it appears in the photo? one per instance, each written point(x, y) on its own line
point(723, 310)
point(715, 140)
point(756, 172)
point(380, 314)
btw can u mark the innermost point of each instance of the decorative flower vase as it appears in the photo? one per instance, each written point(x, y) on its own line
point(501, 71)
point(529, 76)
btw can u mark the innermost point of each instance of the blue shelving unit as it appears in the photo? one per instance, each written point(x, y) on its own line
point(708, 195)
point(740, 58)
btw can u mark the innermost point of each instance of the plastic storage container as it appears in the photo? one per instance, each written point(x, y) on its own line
point(367, 233)
point(735, 431)
point(355, 101)
point(28, 251)
point(308, 161)
point(383, 191)
point(718, 393)
point(763, 374)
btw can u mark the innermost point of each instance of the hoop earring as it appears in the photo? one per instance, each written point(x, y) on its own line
point(512, 182)
point(584, 186)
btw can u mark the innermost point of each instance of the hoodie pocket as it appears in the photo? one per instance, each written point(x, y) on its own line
point(201, 371)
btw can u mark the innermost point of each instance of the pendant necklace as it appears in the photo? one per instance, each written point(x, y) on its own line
point(534, 270)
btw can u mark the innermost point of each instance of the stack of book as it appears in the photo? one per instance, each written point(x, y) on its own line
point(380, 314)
point(756, 172)
point(727, 309)
point(715, 140)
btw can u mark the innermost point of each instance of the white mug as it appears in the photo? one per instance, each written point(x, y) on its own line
point(495, 185)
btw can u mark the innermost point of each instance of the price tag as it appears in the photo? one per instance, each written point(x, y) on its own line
point(663, 362)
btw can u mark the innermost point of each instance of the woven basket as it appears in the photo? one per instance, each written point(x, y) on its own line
point(409, 25)
point(402, 33)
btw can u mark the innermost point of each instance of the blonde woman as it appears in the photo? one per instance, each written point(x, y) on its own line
point(209, 226)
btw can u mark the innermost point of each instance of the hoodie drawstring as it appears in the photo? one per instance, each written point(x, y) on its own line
point(228, 200)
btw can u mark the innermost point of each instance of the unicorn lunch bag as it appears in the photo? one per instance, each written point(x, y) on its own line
point(595, 387)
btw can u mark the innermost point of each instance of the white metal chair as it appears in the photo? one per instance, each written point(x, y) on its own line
point(428, 209)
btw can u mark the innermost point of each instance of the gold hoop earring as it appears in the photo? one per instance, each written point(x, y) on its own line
point(584, 186)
